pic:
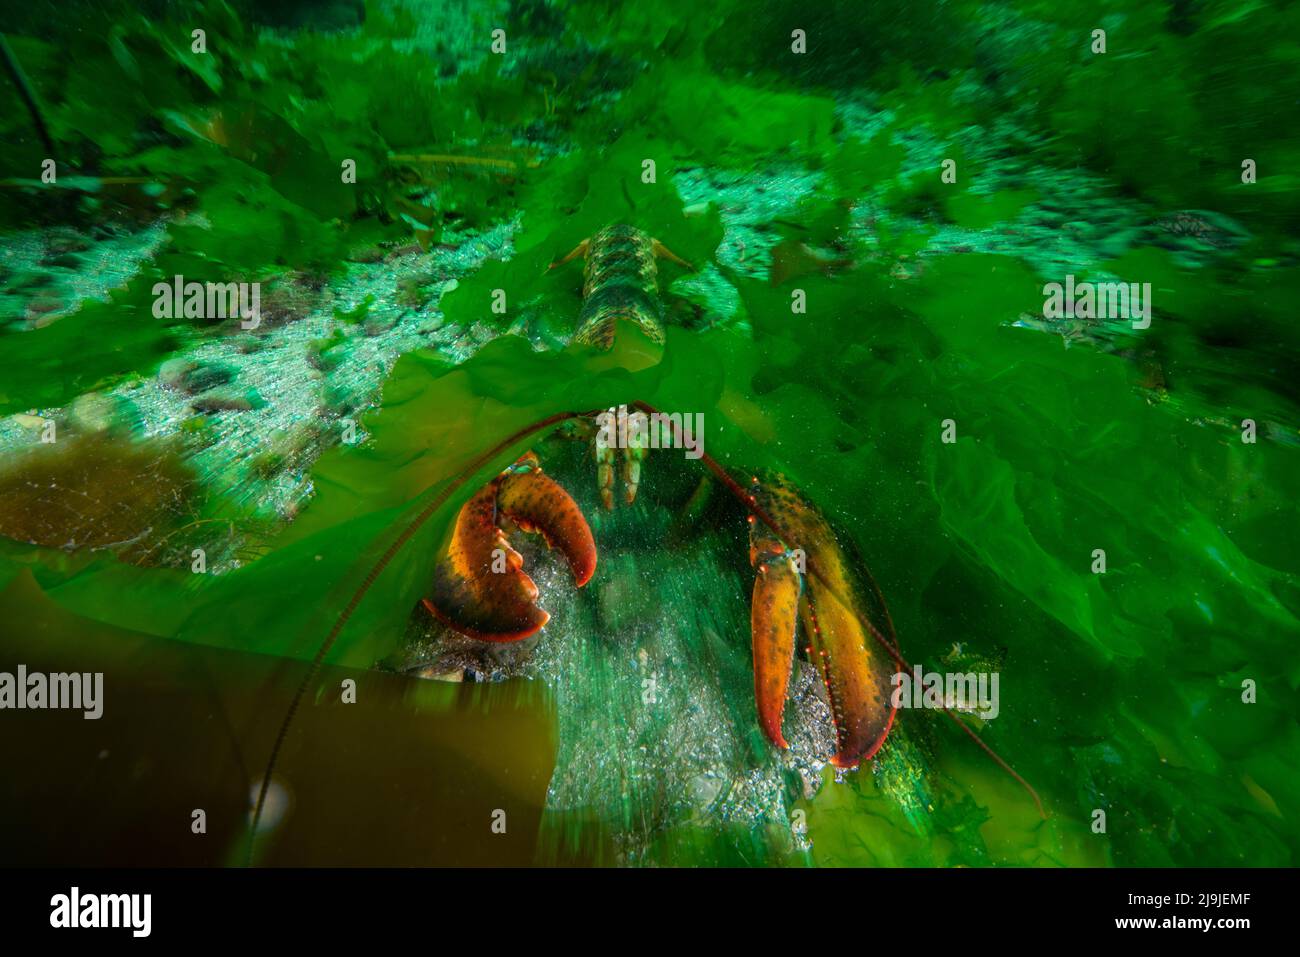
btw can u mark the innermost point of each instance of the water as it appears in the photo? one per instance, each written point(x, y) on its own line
point(1099, 510)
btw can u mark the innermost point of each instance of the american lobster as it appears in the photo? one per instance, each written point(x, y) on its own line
point(481, 590)
point(805, 578)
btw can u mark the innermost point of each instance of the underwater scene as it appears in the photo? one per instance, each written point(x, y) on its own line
point(650, 434)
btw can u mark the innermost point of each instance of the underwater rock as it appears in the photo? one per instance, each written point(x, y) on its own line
point(292, 298)
point(29, 421)
point(509, 655)
point(414, 292)
point(42, 309)
point(188, 376)
point(367, 254)
point(172, 372)
point(97, 412)
point(207, 377)
point(431, 673)
point(62, 243)
point(227, 400)
point(704, 789)
point(63, 261)
point(378, 325)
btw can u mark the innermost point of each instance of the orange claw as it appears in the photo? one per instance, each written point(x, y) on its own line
point(773, 614)
point(832, 606)
point(479, 587)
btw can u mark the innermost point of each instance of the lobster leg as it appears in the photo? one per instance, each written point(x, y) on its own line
point(579, 250)
point(663, 252)
point(630, 432)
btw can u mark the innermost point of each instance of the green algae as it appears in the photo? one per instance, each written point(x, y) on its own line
point(1123, 690)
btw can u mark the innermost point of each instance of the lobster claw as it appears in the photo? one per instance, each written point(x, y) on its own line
point(479, 587)
point(834, 612)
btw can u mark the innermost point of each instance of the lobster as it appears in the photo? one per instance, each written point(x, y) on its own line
point(806, 581)
point(481, 590)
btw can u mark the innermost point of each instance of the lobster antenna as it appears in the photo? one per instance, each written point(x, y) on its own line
point(367, 582)
point(748, 501)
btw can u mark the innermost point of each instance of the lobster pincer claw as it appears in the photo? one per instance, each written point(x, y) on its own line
point(479, 587)
point(834, 611)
